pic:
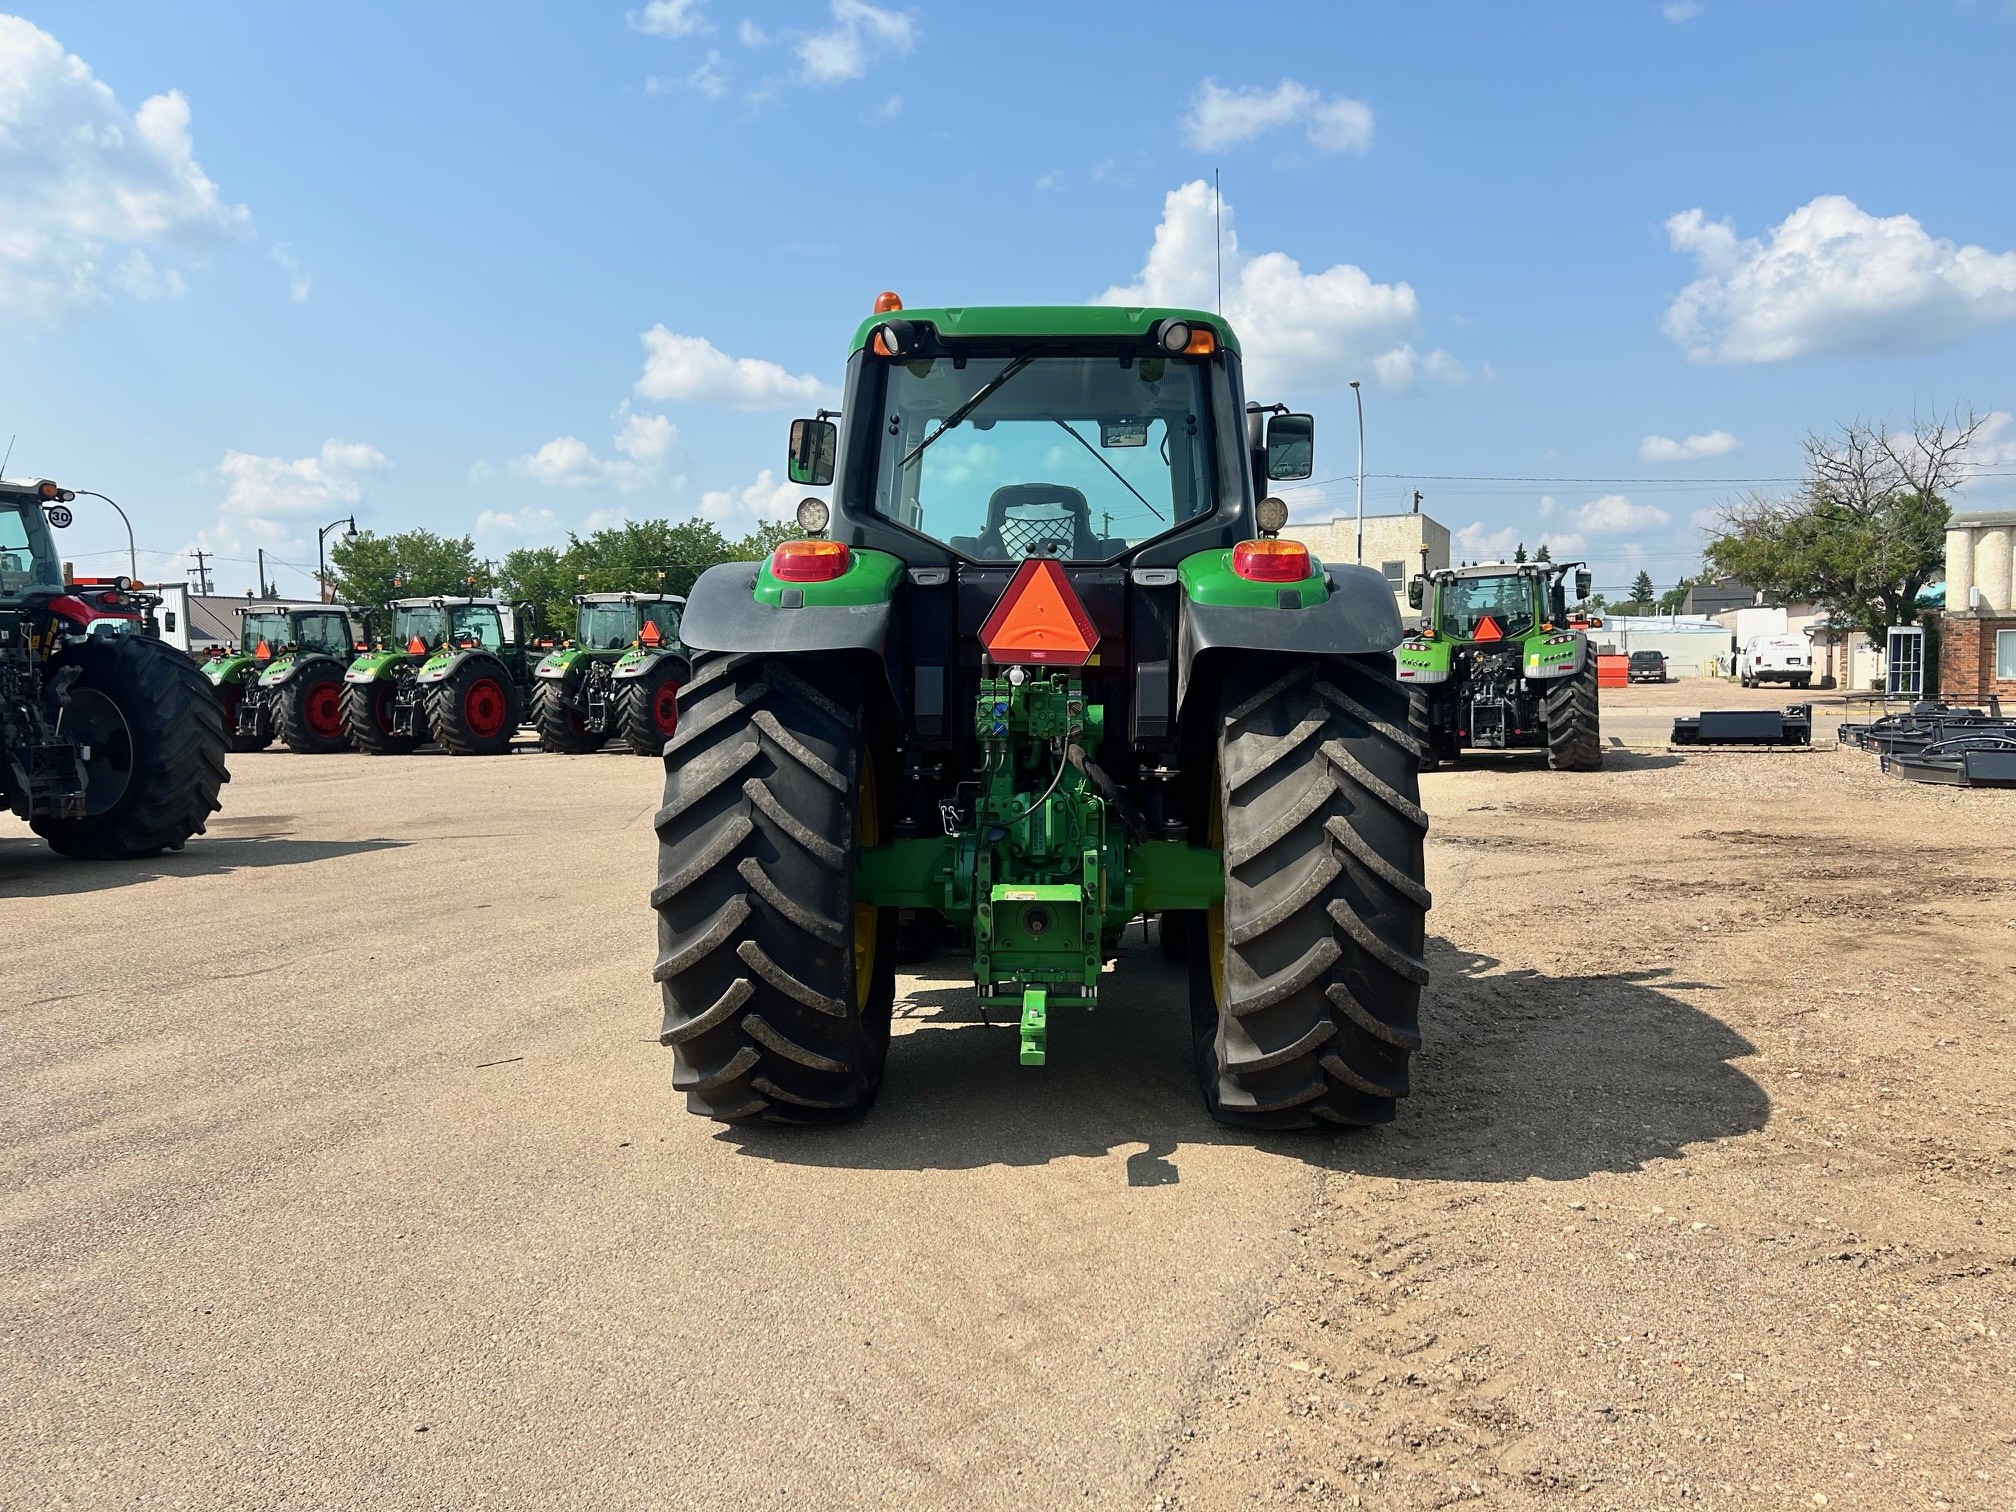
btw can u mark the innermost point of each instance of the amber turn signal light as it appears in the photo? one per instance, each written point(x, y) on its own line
point(809, 561)
point(1271, 561)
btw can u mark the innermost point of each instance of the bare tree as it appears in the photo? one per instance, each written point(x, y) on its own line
point(1865, 531)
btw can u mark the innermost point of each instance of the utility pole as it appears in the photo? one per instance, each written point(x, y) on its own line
point(1358, 394)
point(201, 571)
point(1417, 501)
point(262, 570)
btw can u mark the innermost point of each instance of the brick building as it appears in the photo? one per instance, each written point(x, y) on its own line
point(1977, 630)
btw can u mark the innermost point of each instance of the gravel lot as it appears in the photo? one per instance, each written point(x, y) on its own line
point(338, 1166)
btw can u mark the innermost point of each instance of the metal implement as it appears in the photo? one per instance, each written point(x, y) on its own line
point(1790, 726)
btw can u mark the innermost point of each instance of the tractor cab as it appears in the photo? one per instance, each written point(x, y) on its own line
point(267, 633)
point(1497, 601)
point(28, 560)
point(618, 621)
point(422, 625)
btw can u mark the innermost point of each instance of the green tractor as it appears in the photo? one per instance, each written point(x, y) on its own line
point(111, 744)
point(285, 677)
point(1043, 668)
point(452, 671)
point(619, 676)
point(1502, 663)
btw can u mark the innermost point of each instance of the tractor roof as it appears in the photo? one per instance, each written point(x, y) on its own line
point(1505, 569)
point(295, 606)
point(629, 598)
point(443, 599)
point(981, 322)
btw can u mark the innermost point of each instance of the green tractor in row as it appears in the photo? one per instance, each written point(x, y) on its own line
point(1501, 662)
point(1043, 667)
point(619, 676)
point(112, 745)
point(453, 671)
point(285, 676)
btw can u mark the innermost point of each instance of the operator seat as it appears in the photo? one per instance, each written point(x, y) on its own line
point(1069, 521)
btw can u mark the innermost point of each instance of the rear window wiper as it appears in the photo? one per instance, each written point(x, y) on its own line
point(1113, 470)
point(981, 395)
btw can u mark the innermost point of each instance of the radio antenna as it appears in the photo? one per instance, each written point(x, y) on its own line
point(1218, 241)
point(10, 455)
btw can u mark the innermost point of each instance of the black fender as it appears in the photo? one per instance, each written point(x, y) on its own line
point(461, 659)
point(648, 663)
point(722, 614)
point(299, 663)
point(1357, 618)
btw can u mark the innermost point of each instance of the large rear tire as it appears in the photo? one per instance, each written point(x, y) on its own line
point(157, 743)
point(367, 719)
point(647, 708)
point(777, 985)
point(1574, 731)
point(310, 709)
point(1305, 983)
point(474, 710)
point(561, 727)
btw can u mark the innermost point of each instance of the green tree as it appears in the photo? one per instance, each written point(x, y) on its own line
point(1671, 600)
point(372, 570)
point(1544, 554)
point(1643, 593)
point(1519, 552)
point(1863, 532)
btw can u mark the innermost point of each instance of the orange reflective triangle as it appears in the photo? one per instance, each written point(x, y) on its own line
point(263, 651)
point(1487, 629)
point(649, 635)
point(1039, 619)
point(417, 646)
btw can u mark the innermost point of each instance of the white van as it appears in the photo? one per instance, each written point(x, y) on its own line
point(1776, 658)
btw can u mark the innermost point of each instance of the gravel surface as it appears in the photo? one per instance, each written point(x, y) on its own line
point(338, 1166)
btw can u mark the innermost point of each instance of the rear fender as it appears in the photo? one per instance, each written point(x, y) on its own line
point(724, 614)
point(451, 658)
point(227, 669)
point(556, 666)
point(1356, 616)
point(293, 665)
point(639, 662)
point(377, 666)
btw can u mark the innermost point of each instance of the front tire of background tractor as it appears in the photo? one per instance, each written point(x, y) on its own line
point(1574, 731)
point(561, 727)
point(367, 719)
point(157, 743)
point(647, 708)
point(473, 711)
point(311, 711)
point(1305, 983)
point(777, 984)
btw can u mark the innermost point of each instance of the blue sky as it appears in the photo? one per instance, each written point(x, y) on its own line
point(262, 266)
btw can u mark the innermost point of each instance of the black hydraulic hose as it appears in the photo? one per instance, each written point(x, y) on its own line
point(1108, 789)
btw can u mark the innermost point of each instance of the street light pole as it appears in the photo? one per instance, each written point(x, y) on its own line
point(132, 556)
point(321, 561)
point(1358, 394)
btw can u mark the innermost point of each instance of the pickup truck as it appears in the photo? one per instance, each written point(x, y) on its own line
point(1646, 666)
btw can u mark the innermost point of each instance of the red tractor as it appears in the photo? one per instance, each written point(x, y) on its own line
point(111, 743)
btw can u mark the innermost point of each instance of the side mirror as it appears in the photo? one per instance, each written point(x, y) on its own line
point(814, 446)
point(1584, 582)
point(1417, 593)
point(1291, 446)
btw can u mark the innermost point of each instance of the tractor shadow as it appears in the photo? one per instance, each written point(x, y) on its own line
point(29, 869)
point(1522, 1075)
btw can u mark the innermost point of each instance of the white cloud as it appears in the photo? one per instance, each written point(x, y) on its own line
point(1221, 117)
point(692, 368)
point(1679, 11)
point(1478, 542)
point(138, 276)
point(1614, 514)
point(671, 18)
point(1315, 330)
point(518, 527)
point(890, 108)
point(1831, 278)
point(642, 442)
point(1054, 179)
point(298, 281)
point(749, 34)
point(1717, 443)
point(737, 511)
point(860, 34)
point(278, 503)
point(1546, 506)
point(83, 177)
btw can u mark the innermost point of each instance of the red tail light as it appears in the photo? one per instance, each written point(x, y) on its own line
point(809, 561)
point(1271, 561)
